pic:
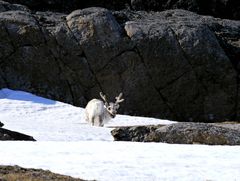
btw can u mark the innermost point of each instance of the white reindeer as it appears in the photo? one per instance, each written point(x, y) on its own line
point(98, 112)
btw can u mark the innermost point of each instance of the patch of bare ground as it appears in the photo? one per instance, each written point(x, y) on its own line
point(16, 173)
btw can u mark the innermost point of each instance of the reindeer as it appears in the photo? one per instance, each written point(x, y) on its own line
point(99, 112)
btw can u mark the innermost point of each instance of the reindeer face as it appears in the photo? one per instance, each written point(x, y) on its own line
point(112, 109)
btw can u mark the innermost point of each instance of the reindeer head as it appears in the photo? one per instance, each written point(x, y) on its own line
point(112, 107)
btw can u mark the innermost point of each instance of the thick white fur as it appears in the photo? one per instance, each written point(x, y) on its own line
point(96, 113)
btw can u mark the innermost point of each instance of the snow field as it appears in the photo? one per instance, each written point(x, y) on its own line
point(67, 145)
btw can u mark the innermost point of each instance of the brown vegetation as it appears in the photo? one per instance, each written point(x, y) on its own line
point(16, 173)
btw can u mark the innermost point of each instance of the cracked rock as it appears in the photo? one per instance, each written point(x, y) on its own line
point(173, 64)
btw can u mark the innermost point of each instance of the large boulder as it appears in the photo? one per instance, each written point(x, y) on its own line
point(8, 135)
point(174, 64)
point(182, 133)
point(134, 133)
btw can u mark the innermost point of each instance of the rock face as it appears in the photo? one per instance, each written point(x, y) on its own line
point(1, 124)
point(7, 135)
point(229, 9)
point(5, 6)
point(180, 133)
point(134, 133)
point(174, 64)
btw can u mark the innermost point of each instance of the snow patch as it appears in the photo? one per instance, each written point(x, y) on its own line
point(66, 144)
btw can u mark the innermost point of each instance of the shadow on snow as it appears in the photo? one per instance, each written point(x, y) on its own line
point(24, 96)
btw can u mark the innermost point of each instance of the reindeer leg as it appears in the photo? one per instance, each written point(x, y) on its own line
point(101, 122)
point(92, 121)
point(86, 117)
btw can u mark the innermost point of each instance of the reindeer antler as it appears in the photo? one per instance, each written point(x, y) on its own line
point(118, 98)
point(104, 98)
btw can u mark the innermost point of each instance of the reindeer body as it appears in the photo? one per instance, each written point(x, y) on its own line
point(98, 112)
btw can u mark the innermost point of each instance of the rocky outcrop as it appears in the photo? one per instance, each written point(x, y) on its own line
point(5, 6)
point(18, 173)
point(1, 124)
point(181, 133)
point(7, 135)
point(134, 133)
point(174, 64)
point(229, 9)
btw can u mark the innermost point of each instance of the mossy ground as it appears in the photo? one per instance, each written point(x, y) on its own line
point(16, 173)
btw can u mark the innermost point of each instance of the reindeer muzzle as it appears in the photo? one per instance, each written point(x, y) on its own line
point(112, 115)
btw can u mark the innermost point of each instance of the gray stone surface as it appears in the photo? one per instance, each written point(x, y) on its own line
point(182, 133)
point(5, 6)
point(134, 133)
point(174, 64)
point(8, 135)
